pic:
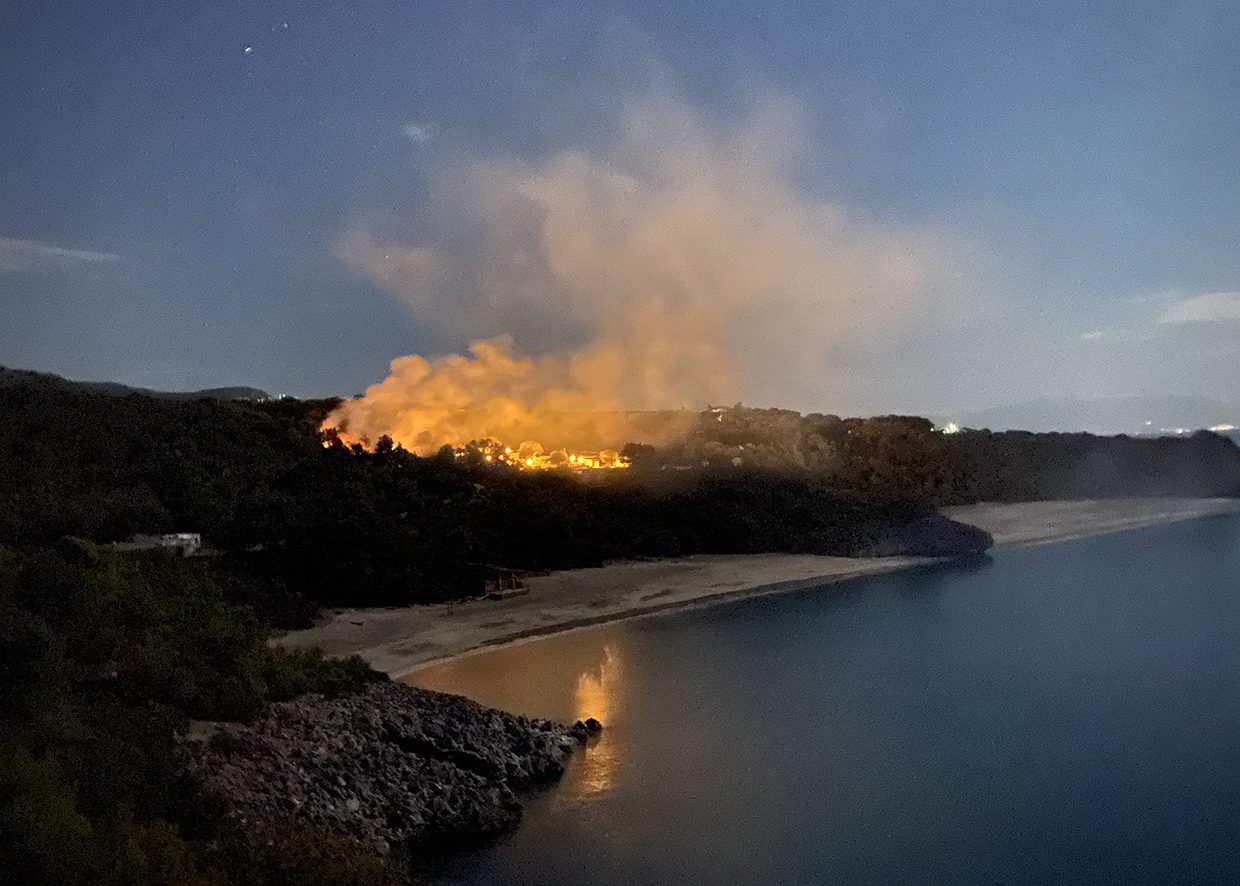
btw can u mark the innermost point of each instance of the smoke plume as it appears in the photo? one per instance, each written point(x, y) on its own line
point(680, 266)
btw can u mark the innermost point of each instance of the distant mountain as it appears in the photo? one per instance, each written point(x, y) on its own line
point(115, 389)
point(1112, 415)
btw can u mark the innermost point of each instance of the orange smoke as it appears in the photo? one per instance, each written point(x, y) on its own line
point(490, 394)
point(684, 266)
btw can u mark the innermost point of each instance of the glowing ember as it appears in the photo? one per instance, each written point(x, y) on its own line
point(532, 456)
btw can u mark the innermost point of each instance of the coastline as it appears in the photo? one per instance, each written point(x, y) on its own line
point(400, 641)
point(1028, 524)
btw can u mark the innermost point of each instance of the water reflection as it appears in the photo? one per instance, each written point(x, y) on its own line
point(1056, 714)
point(579, 675)
point(598, 690)
point(597, 687)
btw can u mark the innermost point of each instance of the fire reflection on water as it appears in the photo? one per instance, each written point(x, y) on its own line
point(571, 677)
point(597, 696)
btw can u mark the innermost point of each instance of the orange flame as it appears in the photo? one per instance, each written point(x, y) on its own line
point(683, 265)
point(492, 395)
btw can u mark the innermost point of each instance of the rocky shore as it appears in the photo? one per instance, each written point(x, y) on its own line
point(933, 535)
point(390, 766)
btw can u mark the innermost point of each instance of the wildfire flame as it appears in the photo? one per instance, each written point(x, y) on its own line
point(680, 266)
point(474, 401)
point(531, 456)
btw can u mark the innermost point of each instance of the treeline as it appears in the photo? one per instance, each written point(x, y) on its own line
point(892, 457)
point(301, 525)
point(104, 661)
point(1021, 466)
point(308, 525)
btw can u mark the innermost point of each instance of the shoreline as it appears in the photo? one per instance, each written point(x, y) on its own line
point(1030, 524)
point(884, 566)
point(402, 641)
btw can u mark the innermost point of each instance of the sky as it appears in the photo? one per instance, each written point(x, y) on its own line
point(1013, 200)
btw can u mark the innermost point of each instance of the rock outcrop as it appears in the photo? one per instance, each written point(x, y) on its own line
point(931, 536)
point(391, 765)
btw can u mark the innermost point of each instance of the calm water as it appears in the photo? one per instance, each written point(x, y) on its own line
point(1064, 713)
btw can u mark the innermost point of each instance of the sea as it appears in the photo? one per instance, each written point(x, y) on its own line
point(1068, 713)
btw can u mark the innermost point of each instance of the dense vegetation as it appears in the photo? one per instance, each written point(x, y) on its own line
point(898, 456)
point(1021, 466)
point(308, 525)
point(299, 525)
point(105, 658)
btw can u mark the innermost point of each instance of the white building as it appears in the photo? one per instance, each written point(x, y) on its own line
point(183, 544)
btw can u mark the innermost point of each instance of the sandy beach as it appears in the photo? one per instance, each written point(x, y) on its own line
point(398, 641)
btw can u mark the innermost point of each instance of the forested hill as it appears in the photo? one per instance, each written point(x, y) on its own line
point(333, 526)
point(11, 376)
point(1021, 466)
point(339, 526)
point(894, 456)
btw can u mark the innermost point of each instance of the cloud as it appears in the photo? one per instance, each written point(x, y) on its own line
point(1193, 316)
point(32, 255)
point(679, 265)
point(1127, 336)
point(418, 133)
point(1210, 307)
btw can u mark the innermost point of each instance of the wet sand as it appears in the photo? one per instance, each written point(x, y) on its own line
point(399, 640)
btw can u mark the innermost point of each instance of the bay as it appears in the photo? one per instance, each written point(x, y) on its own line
point(1064, 713)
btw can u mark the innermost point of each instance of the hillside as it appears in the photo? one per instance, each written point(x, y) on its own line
point(115, 389)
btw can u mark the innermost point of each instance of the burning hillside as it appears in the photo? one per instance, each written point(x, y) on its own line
point(681, 267)
point(504, 402)
point(532, 456)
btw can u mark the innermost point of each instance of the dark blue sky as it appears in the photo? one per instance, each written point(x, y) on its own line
point(174, 177)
